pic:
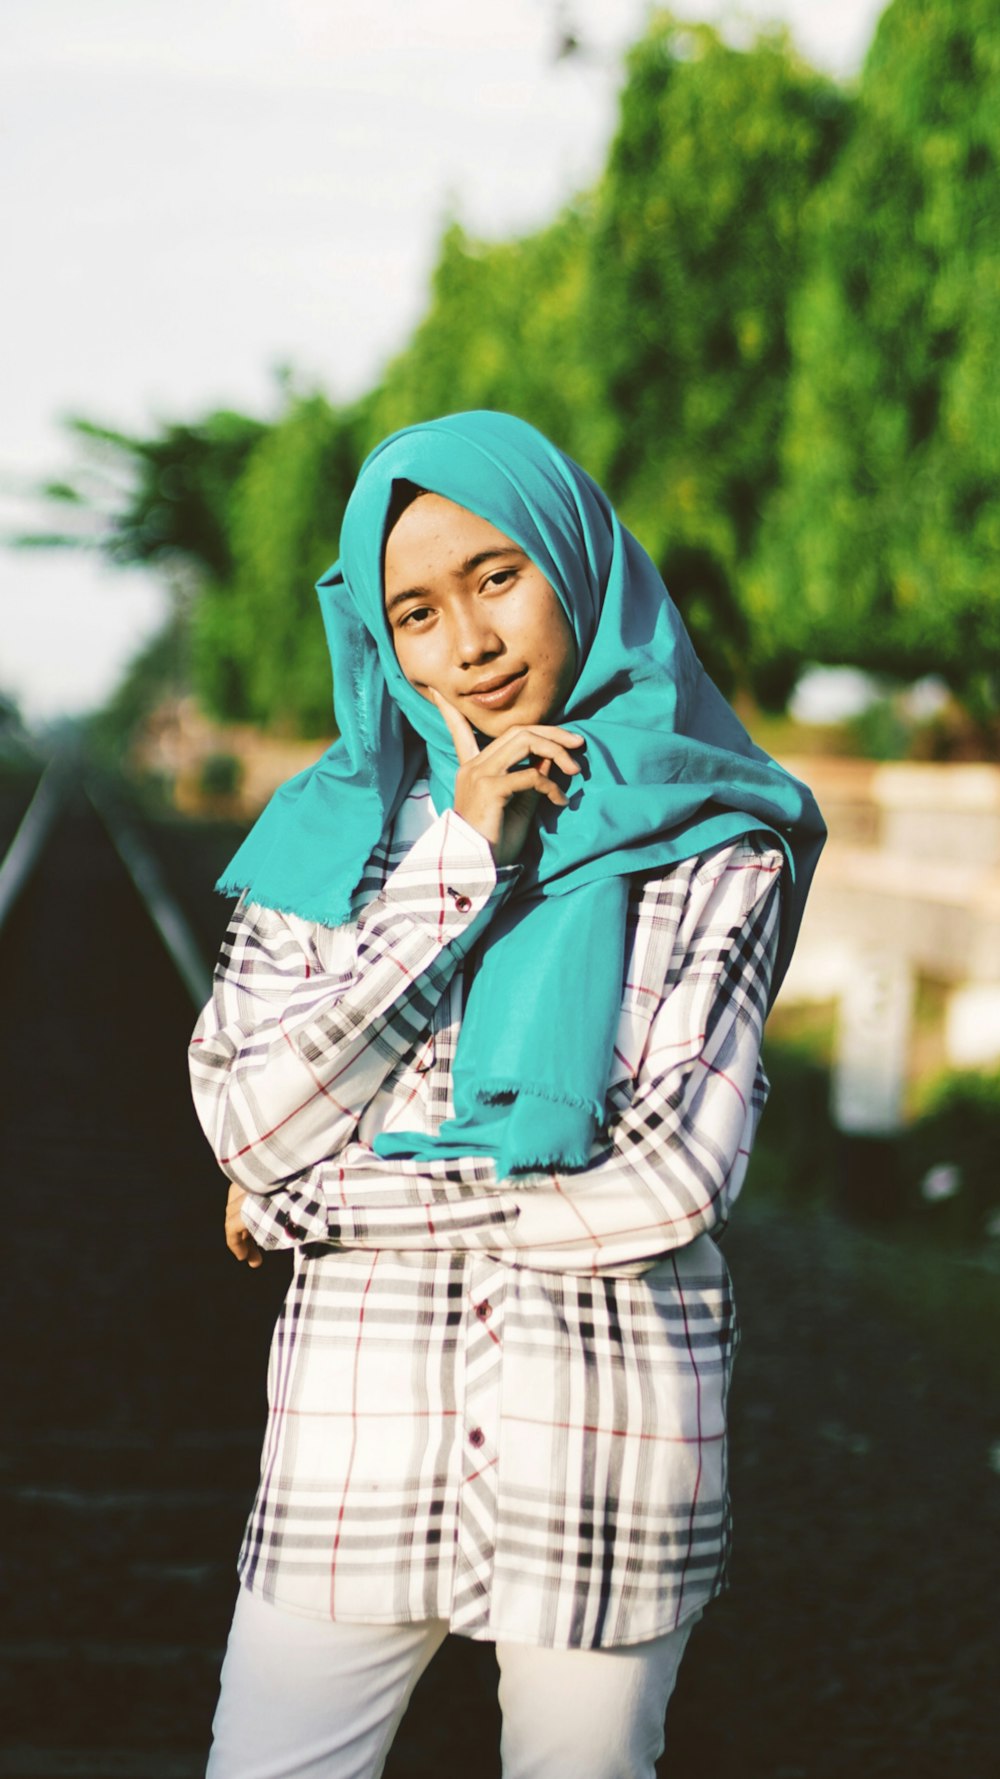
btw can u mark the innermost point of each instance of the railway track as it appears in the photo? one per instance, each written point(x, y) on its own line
point(134, 1397)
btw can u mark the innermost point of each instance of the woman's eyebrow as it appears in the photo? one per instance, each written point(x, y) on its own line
point(481, 556)
point(467, 567)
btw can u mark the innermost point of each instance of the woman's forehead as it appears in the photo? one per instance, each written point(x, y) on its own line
point(437, 535)
point(435, 514)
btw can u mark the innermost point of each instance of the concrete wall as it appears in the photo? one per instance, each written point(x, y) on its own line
point(909, 881)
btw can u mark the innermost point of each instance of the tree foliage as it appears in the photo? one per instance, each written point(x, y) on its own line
point(882, 542)
point(502, 331)
point(258, 647)
point(158, 501)
point(696, 248)
point(770, 331)
point(160, 669)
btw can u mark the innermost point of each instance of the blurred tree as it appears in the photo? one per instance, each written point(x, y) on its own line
point(159, 670)
point(770, 332)
point(696, 247)
point(163, 501)
point(241, 516)
point(258, 647)
point(502, 331)
point(881, 546)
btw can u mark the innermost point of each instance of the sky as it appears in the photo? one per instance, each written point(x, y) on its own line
point(195, 192)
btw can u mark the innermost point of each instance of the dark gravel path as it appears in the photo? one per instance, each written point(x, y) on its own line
point(859, 1634)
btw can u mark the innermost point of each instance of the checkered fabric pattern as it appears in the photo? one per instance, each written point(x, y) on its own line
point(500, 1403)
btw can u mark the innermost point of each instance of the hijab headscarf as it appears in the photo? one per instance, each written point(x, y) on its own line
point(668, 772)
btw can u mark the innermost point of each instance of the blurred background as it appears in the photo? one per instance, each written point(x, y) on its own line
point(745, 267)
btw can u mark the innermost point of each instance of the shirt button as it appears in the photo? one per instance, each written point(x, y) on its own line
point(462, 903)
point(484, 1311)
point(477, 1437)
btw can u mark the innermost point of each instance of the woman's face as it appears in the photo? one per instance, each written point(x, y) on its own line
point(473, 619)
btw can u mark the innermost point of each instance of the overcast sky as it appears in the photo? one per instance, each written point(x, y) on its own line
point(195, 191)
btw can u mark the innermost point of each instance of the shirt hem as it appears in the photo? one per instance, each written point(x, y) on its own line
point(488, 1633)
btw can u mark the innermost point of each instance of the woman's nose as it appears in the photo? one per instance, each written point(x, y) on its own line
point(474, 637)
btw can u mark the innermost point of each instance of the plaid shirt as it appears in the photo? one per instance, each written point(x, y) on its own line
point(502, 1404)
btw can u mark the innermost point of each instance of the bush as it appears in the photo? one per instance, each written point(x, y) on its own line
point(221, 776)
point(958, 1129)
point(794, 1158)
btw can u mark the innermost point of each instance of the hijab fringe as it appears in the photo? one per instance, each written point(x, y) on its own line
point(551, 1164)
point(492, 1092)
point(257, 897)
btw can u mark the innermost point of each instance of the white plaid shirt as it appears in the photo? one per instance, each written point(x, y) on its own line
point(502, 1404)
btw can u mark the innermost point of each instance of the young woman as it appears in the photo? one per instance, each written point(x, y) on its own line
point(484, 1050)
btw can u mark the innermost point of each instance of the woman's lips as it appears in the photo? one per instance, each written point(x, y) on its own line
point(497, 695)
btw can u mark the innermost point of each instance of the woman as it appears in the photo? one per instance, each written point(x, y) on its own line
point(484, 1050)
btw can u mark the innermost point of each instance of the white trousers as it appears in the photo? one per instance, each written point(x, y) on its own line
point(303, 1698)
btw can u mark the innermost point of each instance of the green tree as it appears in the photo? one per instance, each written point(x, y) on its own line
point(502, 331)
point(696, 247)
point(163, 501)
point(880, 547)
point(241, 516)
point(258, 647)
point(160, 670)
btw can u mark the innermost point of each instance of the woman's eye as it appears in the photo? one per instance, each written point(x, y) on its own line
point(500, 577)
point(414, 616)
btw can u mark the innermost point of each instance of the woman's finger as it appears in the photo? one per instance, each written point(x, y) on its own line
point(530, 733)
point(239, 1241)
point(532, 778)
point(459, 728)
point(517, 744)
point(242, 1246)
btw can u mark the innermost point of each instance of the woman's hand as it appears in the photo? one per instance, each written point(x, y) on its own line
point(239, 1241)
point(496, 800)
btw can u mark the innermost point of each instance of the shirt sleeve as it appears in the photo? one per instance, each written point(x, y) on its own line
point(669, 1165)
point(297, 1039)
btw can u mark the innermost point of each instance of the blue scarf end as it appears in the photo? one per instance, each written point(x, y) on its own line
point(507, 1125)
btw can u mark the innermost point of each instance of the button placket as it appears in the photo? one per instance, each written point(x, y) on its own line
point(478, 1446)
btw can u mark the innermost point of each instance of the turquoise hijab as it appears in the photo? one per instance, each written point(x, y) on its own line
point(668, 772)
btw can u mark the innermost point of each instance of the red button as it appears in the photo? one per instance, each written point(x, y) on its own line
point(484, 1311)
point(463, 904)
point(477, 1437)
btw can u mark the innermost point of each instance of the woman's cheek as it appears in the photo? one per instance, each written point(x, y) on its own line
point(419, 666)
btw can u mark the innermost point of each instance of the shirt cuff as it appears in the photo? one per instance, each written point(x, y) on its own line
point(273, 1224)
point(449, 880)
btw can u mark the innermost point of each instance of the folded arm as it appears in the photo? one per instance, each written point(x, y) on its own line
point(305, 1023)
point(670, 1163)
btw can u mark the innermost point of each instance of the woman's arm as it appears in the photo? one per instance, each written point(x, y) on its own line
point(669, 1165)
point(291, 1049)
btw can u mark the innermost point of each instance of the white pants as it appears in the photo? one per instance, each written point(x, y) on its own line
point(307, 1699)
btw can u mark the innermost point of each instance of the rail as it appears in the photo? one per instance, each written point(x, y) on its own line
point(58, 782)
point(32, 835)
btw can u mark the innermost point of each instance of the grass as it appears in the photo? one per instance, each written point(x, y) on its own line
point(930, 1262)
point(951, 1299)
